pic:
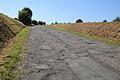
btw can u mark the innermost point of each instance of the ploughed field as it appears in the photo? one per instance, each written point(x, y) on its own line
point(109, 30)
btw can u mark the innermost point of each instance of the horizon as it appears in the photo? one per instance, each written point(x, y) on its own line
point(65, 11)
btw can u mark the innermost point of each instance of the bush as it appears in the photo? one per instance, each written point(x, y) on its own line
point(69, 23)
point(41, 23)
point(56, 22)
point(116, 19)
point(25, 16)
point(79, 21)
point(15, 18)
point(44, 23)
point(34, 22)
point(104, 20)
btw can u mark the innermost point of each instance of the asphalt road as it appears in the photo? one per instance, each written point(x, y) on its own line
point(58, 55)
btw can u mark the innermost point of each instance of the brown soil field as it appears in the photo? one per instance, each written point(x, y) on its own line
point(109, 30)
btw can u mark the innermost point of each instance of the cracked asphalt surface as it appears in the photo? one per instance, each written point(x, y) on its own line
point(58, 55)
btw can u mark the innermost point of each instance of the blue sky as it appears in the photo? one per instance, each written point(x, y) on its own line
point(64, 10)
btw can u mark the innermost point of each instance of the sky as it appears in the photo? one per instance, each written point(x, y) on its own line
point(64, 10)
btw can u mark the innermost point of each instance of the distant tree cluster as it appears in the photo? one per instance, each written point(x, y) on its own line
point(34, 22)
point(59, 23)
point(116, 19)
point(55, 23)
point(41, 23)
point(81, 21)
point(25, 16)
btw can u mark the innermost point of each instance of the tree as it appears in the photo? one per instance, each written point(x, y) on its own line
point(69, 23)
point(104, 20)
point(116, 19)
point(56, 22)
point(34, 22)
point(79, 21)
point(25, 16)
point(15, 18)
point(44, 23)
point(41, 23)
point(28, 10)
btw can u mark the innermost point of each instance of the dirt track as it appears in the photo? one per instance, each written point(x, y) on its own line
point(57, 55)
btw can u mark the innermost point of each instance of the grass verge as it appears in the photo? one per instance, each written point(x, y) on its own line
point(102, 39)
point(12, 58)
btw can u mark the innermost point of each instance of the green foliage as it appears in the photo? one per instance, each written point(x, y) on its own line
point(79, 21)
point(41, 23)
point(44, 23)
point(25, 16)
point(104, 20)
point(28, 10)
point(34, 22)
point(56, 22)
point(16, 18)
point(116, 19)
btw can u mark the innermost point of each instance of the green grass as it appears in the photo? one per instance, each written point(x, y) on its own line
point(102, 39)
point(10, 69)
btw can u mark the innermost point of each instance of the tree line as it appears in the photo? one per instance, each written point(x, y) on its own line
point(25, 16)
point(117, 19)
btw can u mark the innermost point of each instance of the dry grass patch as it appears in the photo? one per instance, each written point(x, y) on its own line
point(106, 32)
